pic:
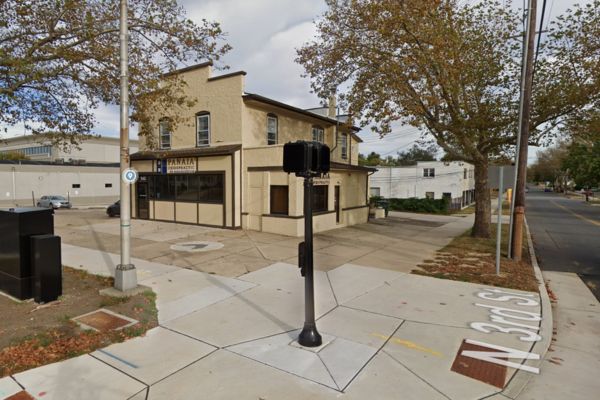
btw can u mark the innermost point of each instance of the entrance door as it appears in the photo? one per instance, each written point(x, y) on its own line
point(337, 204)
point(142, 200)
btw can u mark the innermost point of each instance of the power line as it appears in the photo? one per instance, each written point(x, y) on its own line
point(537, 49)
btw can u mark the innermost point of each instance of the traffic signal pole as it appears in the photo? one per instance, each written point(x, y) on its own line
point(309, 336)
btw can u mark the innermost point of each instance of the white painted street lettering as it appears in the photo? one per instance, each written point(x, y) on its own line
point(503, 352)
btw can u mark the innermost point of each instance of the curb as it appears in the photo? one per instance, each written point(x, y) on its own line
point(521, 378)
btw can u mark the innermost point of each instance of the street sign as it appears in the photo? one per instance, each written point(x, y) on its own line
point(508, 176)
point(130, 176)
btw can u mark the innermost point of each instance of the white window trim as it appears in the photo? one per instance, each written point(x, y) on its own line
point(429, 173)
point(161, 134)
point(344, 146)
point(198, 144)
point(320, 134)
point(273, 117)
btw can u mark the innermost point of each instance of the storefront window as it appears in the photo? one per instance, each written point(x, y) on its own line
point(201, 188)
point(211, 188)
point(320, 198)
point(279, 200)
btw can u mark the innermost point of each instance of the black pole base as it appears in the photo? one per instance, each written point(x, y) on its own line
point(309, 337)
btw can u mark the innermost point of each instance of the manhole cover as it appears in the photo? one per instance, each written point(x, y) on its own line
point(104, 320)
point(493, 374)
point(193, 247)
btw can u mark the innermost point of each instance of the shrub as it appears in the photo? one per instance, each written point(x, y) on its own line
point(432, 206)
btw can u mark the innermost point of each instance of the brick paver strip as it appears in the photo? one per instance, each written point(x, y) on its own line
point(493, 374)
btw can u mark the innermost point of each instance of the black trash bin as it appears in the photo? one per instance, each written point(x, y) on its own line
point(17, 226)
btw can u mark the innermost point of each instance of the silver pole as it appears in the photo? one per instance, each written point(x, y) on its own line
point(519, 132)
point(125, 274)
point(499, 233)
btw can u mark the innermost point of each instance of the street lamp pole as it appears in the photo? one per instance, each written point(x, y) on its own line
point(125, 273)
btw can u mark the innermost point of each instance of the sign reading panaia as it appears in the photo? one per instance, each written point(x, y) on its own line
point(181, 165)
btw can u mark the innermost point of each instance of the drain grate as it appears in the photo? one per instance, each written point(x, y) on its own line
point(104, 320)
point(493, 374)
point(22, 395)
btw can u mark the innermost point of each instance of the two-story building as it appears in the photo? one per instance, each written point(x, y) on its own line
point(454, 180)
point(221, 164)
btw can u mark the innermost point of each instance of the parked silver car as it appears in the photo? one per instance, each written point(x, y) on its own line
point(53, 202)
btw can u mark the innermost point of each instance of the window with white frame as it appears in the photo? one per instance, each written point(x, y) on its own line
point(271, 129)
point(318, 134)
point(202, 129)
point(430, 195)
point(164, 132)
point(429, 172)
point(344, 146)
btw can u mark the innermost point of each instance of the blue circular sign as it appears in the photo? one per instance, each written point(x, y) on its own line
point(130, 176)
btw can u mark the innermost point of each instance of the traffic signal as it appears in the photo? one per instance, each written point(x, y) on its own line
point(306, 158)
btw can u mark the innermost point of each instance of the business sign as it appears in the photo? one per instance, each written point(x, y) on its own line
point(321, 181)
point(185, 165)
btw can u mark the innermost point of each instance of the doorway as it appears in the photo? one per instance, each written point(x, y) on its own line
point(143, 205)
point(336, 203)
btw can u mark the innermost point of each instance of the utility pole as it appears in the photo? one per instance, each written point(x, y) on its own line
point(125, 273)
point(523, 137)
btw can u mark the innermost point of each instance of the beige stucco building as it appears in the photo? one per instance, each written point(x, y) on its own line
point(221, 163)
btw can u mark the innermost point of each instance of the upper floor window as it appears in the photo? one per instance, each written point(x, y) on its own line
point(203, 129)
point(164, 133)
point(271, 129)
point(465, 174)
point(429, 172)
point(344, 146)
point(317, 134)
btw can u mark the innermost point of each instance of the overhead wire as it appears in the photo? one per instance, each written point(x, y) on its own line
point(537, 49)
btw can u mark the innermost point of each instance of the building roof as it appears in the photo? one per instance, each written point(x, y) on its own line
point(41, 139)
point(256, 97)
point(342, 166)
point(187, 152)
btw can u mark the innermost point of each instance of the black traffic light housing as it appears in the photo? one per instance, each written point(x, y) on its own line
point(306, 158)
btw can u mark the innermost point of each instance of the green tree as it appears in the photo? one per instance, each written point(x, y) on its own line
point(548, 165)
point(453, 70)
point(13, 155)
point(415, 154)
point(59, 59)
point(372, 159)
point(583, 163)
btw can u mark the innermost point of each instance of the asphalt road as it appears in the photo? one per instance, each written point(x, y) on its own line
point(566, 235)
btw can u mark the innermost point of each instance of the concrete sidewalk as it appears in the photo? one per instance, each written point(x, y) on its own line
point(387, 335)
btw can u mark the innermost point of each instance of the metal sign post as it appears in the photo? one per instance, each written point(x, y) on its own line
point(499, 233)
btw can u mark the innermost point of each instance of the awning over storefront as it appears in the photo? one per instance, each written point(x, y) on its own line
point(188, 152)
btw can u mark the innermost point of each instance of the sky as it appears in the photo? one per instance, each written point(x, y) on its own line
point(264, 35)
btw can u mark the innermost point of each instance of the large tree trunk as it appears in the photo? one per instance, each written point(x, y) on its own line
point(483, 211)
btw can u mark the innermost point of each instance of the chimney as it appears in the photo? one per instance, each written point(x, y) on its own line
point(332, 112)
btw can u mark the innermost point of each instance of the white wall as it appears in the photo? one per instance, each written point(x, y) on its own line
point(18, 181)
point(406, 182)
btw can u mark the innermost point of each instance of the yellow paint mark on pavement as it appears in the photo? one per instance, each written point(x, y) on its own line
point(409, 344)
point(591, 221)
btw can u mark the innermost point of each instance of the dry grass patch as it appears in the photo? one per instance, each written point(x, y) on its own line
point(32, 335)
point(470, 259)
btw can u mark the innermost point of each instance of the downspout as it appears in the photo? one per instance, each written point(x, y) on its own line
point(367, 194)
point(14, 186)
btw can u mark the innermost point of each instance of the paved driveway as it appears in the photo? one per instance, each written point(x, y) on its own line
point(397, 243)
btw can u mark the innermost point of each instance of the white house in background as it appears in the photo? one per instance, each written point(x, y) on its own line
point(432, 179)
point(102, 149)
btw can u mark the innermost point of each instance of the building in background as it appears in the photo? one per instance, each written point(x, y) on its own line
point(427, 179)
point(95, 150)
point(222, 166)
point(87, 176)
